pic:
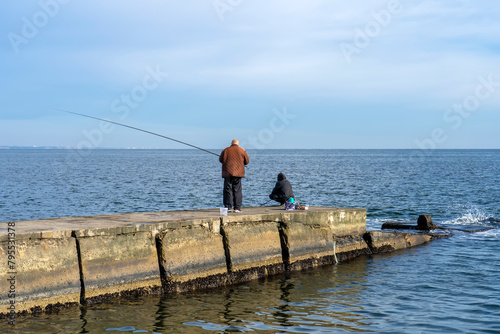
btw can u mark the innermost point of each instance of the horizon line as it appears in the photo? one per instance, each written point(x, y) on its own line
point(51, 147)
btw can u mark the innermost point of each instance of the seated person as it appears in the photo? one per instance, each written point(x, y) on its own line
point(282, 190)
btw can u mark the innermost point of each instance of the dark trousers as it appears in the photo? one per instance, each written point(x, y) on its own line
point(280, 199)
point(233, 195)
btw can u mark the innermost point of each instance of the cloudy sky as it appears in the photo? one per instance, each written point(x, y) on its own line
point(275, 74)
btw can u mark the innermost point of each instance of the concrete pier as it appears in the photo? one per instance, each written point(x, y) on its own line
point(61, 261)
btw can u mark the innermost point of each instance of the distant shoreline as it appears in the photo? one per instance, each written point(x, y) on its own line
point(76, 148)
point(6, 147)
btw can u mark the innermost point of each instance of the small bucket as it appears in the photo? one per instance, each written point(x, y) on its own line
point(223, 211)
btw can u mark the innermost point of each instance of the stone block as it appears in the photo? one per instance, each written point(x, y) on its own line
point(307, 242)
point(417, 239)
point(45, 271)
point(251, 244)
point(309, 218)
point(114, 263)
point(347, 222)
point(383, 242)
point(191, 253)
point(355, 244)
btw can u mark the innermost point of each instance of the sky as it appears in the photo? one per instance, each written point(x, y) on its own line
point(273, 74)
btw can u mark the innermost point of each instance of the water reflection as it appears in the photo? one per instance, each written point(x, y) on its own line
point(83, 315)
point(324, 299)
point(162, 314)
point(283, 313)
point(321, 299)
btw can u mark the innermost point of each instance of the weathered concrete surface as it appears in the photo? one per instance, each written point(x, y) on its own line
point(66, 260)
point(251, 243)
point(382, 242)
point(162, 219)
point(347, 222)
point(305, 242)
point(349, 247)
point(341, 221)
point(191, 253)
point(112, 262)
point(45, 272)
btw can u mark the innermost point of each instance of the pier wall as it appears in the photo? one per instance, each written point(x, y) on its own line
point(84, 259)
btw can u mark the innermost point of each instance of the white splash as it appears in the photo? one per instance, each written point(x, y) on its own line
point(472, 217)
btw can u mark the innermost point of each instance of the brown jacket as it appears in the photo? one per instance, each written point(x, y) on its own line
point(234, 159)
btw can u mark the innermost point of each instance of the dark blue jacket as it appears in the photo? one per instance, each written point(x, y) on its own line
point(282, 190)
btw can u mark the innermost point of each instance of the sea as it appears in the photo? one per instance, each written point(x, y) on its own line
point(450, 285)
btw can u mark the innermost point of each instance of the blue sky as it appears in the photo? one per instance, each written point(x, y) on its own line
point(275, 74)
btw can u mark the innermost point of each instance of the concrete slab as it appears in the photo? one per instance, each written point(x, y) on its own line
point(307, 242)
point(383, 242)
point(44, 271)
point(114, 263)
point(69, 259)
point(147, 221)
point(251, 244)
point(191, 253)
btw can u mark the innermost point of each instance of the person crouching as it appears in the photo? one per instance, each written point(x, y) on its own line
point(282, 190)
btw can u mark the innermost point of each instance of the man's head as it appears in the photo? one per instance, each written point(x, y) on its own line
point(235, 142)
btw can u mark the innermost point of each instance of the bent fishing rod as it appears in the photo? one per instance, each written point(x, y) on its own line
point(138, 129)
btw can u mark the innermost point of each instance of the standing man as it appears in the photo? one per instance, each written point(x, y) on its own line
point(233, 159)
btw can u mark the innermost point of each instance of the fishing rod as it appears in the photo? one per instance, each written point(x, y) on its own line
point(138, 129)
point(266, 202)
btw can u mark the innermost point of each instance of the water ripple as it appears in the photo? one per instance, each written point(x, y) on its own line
point(450, 285)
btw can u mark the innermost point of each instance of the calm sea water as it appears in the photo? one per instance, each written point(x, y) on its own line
point(448, 286)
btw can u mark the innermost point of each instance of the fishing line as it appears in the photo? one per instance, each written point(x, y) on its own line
point(138, 129)
point(266, 202)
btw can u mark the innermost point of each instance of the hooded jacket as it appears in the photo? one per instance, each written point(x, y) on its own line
point(282, 190)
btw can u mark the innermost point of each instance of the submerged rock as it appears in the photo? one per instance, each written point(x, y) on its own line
point(424, 223)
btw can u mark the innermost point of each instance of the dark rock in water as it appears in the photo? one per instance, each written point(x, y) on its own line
point(397, 226)
point(424, 223)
